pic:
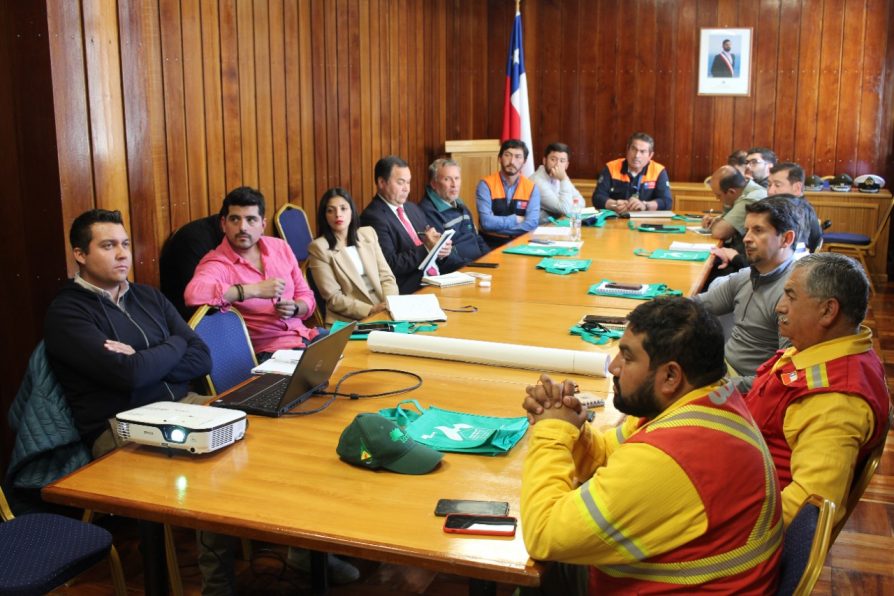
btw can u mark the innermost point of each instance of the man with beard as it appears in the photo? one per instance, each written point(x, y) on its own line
point(758, 164)
point(751, 294)
point(258, 275)
point(508, 203)
point(682, 494)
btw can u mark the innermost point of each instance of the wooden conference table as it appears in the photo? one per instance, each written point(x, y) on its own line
point(284, 482)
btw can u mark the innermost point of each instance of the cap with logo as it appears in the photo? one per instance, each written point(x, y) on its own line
point(869, 183)
point(842, 183)
point(814, 184)
point(372, 441)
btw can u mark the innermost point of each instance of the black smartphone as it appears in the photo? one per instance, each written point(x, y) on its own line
point(605, 320)
point(483, 265)
point(651, 226)
point(630, 287)
point(486, 525)
point(366, 328)
point(448, 506)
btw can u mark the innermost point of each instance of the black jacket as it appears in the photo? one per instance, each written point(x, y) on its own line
point(401, 254)
point(99, 383)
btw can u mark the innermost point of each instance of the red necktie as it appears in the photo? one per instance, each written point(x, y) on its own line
point(433, 270)
point(408, 226)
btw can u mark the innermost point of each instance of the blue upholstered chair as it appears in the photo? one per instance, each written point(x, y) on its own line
point(858, 246)
point(42, 551)
point(293, 227)
point(232, 355)
point(807, 540)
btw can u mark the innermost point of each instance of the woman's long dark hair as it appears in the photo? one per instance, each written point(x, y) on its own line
point(323, 225)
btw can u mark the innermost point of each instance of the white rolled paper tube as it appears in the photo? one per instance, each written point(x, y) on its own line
point(594, 364)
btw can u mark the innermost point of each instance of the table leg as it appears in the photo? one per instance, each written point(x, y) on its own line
point(481, 587)
point(319, 575)
point(152, 547)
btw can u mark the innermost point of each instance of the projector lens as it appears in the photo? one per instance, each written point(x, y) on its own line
point(176, 435)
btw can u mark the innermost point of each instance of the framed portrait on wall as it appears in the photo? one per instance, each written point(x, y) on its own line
point(724, 62)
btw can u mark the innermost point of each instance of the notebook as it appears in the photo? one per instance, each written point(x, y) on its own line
point(274, 395)
point(415, 308)
point(455, 278)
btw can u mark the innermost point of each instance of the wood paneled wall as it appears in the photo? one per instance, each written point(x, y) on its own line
point(821, 81)
point(163, 105)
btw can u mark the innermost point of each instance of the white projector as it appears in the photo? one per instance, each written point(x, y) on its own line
point(188, 427)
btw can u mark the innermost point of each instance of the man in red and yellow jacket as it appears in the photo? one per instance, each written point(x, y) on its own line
point(683, 496)
point(634, 183)
point(822, 404)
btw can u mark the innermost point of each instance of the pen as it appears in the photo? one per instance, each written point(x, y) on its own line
point(536, 241)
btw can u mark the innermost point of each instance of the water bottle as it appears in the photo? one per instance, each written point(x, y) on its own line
point(574, 216)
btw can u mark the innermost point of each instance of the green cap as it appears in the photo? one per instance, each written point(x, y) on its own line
point(372, 441)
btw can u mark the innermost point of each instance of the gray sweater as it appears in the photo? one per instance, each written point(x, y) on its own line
point(752, 298)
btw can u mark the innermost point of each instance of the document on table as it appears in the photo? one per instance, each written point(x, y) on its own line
point(692, 246)
point(415, 308)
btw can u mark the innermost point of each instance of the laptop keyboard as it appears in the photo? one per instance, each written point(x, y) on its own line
point(268, 398)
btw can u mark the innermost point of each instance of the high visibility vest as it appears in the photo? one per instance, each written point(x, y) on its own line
point(647, 180)
point(714, 440)
point(519, 203)
point(772, 393)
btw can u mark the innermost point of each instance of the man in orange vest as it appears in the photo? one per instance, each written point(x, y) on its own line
point(508, 203)
point(681, 496)
point(634, 183)
point(822, 404)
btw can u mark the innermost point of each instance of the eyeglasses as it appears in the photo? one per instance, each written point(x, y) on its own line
point(754, 162)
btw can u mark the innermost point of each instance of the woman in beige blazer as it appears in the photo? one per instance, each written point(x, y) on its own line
point(346, 262)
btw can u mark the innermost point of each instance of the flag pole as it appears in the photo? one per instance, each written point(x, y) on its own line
point(517, 5)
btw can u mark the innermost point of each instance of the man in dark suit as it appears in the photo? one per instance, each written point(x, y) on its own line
point(404, 236)
point(724, 63)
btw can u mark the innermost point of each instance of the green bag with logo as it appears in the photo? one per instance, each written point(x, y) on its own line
point(457, 432)
point(541, 250)
point(564, 266)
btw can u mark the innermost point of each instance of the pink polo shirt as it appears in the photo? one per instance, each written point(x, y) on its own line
point(223, 267)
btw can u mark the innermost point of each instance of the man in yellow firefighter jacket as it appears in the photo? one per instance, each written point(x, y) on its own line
point(682, 495)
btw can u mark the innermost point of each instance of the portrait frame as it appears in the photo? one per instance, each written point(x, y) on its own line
point(724, 62)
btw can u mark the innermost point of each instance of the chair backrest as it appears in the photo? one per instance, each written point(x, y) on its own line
point(807, 540)
point(320, 312)
point(232, 355)
point(881, 226)
point(293, 227)
point(5, 511)
point(862, 476)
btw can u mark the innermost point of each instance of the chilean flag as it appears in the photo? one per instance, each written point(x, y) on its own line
point(516, 118)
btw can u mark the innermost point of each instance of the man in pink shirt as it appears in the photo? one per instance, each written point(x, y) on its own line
point(257, 274)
